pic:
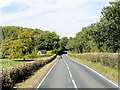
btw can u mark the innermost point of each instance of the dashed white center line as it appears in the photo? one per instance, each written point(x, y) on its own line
point(74, 84)
point(70, 74)
point(68, 68)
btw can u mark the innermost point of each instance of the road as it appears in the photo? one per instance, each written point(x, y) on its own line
point(67, 73)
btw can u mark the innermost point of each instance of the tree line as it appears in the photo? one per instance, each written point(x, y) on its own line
point(19, 42)
point(0, 36)
point(102, 36)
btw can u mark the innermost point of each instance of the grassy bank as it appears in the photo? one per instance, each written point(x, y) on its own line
point(14, 62)
point(105, 70)
point(33, 80)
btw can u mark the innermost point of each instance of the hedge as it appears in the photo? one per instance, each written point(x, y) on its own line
point(107, 59)
point(13, 75)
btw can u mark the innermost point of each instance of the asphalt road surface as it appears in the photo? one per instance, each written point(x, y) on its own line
point(67, 73)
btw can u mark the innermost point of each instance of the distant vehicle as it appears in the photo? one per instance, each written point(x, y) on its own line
point(60, 57)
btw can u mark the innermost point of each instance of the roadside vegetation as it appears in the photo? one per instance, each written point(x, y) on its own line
point(102, 36)
point(106, 59)
point(14, 62)
point(0, 52)
point(20, 52)
point(103, 67)
point(98, 45)
point(23, 43)
point(33, 80)
point(0, 42)
point(16, 74)
point(20, 57)
point(19, 47)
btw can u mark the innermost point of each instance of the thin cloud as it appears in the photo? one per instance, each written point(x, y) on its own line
point(66, 17)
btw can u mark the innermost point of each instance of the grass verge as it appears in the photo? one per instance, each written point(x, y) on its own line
point(9, 63)
point(110, 73)
point(33, 80)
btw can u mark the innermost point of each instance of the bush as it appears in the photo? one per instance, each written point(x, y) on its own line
point(13, 75)
point(49, 52)
point(107, 59)
point(55, 51)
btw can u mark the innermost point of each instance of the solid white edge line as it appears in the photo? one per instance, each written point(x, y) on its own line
point(46, 76)
point(96, 73)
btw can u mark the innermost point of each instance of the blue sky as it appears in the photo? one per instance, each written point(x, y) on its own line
point(65, 17)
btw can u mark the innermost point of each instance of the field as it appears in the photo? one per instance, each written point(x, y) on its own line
point(9, 63)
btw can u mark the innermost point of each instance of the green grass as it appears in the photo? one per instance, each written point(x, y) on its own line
point(9, 63)
point(5, 63)
point(106, 71)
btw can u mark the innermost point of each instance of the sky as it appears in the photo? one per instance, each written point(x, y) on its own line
point(65, 17)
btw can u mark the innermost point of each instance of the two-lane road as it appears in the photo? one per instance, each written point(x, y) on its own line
point(67, 73)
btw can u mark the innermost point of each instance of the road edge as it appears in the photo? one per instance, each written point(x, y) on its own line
point(39, 84)
point(95, 72)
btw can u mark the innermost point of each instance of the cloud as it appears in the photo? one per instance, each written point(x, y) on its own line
point(66, 17)
point(36, 7)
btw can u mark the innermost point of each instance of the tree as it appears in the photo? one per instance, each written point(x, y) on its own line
point(42, 39)
point(102, 36)
point(111, 19)
point(23, 46)
point(47, 40)
point(63, 42)
point(71, 44)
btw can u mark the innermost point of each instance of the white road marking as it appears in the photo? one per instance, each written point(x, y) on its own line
point(96, 73)
point(74, 84)
point(70, 74)
point(66, 63)
point(68, 68)
point(45, 76)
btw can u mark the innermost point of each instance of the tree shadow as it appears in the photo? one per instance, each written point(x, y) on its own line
point(23, 60)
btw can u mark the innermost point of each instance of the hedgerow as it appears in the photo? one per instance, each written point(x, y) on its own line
point(107, 59)
point(13, 75)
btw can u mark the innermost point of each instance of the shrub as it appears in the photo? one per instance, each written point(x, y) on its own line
point(107, 59)
point(13, 75)
point(49, 52)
